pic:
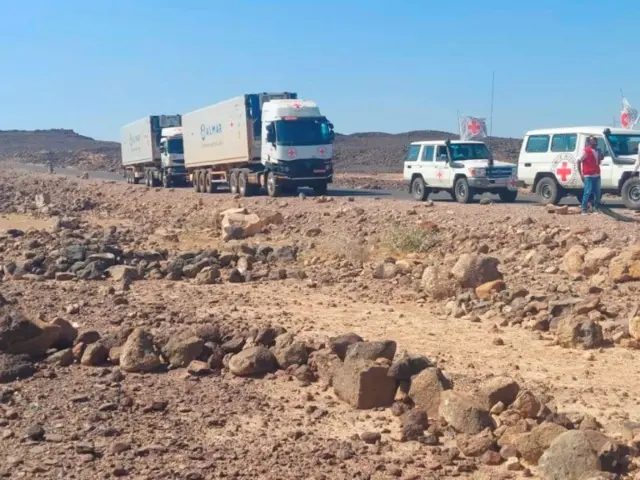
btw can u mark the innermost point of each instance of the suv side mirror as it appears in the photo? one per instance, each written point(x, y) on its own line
point(443, 158)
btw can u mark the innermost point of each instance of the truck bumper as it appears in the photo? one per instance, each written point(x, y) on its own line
point(303, 172)
point(491, 184)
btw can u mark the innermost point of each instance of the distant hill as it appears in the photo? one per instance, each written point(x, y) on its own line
point(359, 152)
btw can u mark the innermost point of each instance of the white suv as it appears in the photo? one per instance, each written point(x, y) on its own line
point(548, 163)
point(461, 168)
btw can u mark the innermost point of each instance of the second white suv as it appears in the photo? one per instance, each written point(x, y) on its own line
point(461, 168)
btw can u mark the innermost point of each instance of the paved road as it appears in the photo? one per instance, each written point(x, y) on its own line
point(610, 202)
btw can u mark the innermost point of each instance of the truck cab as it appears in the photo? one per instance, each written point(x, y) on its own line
point(548, 162)
point(172, 151)
point(461, 168)
point(297, 145)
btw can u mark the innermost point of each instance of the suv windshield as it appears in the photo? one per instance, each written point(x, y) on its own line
point(174, 145)
point(469, 151)
point(624, 144)
point(303, 131)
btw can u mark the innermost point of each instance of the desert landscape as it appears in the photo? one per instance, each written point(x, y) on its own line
point(157, 333)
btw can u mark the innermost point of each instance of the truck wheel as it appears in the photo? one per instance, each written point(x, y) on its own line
point(196, 182)
point(233, 182)
point(211, 187)
point(548, 191)
point(320, 189)
point(243, 184)
point(202, 184)
point(508, 196)
point(419, 189)
point(273, 189)
point(461, 191)
point(631, 193)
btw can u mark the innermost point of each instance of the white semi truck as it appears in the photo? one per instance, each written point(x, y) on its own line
point(152, 151)
point(267, 140)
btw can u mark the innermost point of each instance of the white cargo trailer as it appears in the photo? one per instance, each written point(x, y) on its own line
point(270, 140)
point(152, 150)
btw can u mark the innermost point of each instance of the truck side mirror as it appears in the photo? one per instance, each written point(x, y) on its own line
point(271, 134)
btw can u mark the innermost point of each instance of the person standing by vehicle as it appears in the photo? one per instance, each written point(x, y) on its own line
point(589, 168)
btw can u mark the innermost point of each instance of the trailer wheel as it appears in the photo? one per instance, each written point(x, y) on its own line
point(165, 180)
point(195, 181)
point(202, 177)
point(210, 186)
point(273, 189)
point(243, 184)
point(233, 182)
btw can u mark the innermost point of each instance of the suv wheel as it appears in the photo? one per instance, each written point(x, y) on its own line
point(548, 191)
point(631, 193)
point(419, 189)
point(461, 191)
point(508, 196)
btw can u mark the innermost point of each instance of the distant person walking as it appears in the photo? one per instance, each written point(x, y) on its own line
point(50, 165)
point(589, 168)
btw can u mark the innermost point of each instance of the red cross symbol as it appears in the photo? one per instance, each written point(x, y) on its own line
point(439, 174)
point(624, 119)
point(474, 127)
point(564, 171)
point(296, 106)
point(322, 151)
point(291, 152)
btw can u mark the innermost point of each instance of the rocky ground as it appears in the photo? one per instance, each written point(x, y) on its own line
point(164, 334)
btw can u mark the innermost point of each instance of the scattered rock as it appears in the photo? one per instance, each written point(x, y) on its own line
point(579, 331)
point(473, 270)
point(290, 352)
point(495, 390)
point(371, 351)
point(139, 354)
point(426, 390)
point(363, 384)
point(569, 457)
point(253, 361)
point(463, 414)
point(339, 345)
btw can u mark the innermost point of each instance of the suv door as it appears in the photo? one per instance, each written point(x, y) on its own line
point(607, 166)
point(442, 170)
point(411, 162)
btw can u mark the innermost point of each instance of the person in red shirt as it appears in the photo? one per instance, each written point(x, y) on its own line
point(589, 168)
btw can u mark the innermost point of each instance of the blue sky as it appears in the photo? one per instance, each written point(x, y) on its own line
point(376, 65)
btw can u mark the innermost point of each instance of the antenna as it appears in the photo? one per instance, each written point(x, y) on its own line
point(493, 84)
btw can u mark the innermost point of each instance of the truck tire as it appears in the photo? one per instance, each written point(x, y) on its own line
point(461, 191)
point(320, 189)
point(508, 196)
point(631, 193)
point(243, 184)
point(196, 181)
point(233, 182)
point(211, 187)
point(147, 178)
point(419, 190)
point(548, 191)
point(202, 181)
point(273, 189)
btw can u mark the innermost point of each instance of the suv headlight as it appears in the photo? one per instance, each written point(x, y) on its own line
point(478, 172)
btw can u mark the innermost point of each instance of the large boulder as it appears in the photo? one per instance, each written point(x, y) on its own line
point(426, 390)
point(497, 389)
point(405, 367)
point(19, 335)
point(463, 414)
point(253, 361)
point(183, 349)
point(138, 354)
point(341, 343)
point(579, 331)
point(473, 270)
point(438, 283)
point(532, 445)
point(573, 260)
point(290, 352)
point(596, 258)
point(569, 457)
point(626, 266)
point(371, 351)
point(325, 364)
point(364, 384)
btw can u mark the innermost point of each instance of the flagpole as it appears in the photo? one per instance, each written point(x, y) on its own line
point(493, 84)
point(458, 123)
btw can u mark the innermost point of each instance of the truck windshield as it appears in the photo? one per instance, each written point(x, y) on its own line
point(174, 145)
point(303, 131)
point(624, 144)
point(469, 151)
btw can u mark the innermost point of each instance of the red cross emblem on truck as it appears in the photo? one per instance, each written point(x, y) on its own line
point(322, 151)
point(474, 127)
point(564, 172)
point(297, 106)
point(291, 152)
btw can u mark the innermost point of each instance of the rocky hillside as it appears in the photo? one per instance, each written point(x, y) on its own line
point(358, 152)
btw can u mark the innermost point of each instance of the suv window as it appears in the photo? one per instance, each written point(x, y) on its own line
point(412, 154)
point(441, 151)
point(564, 143)
point(427, 153)
point(537, 144)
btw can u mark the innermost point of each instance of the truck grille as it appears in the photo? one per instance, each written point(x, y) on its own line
point(306, 167)
point(499, 172)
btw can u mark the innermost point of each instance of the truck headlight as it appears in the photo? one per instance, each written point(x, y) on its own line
point(478, 172)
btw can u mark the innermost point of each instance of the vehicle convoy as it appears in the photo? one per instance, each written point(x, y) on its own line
point(548, 163)
point(266, 140)
point(461, 168)
point(152, 150)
